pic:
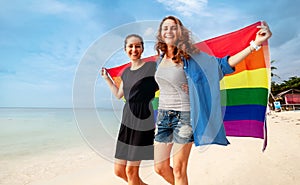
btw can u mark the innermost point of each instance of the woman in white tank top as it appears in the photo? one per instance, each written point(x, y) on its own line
point(173, 126)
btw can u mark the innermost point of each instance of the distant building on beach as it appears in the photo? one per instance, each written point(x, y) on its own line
point(290, 99)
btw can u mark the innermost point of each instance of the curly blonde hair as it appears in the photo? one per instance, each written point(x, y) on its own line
point(184, 46)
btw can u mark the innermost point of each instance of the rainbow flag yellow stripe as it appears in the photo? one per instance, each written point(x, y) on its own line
point(246, 79)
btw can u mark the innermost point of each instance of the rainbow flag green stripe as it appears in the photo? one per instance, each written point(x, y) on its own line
point(155, 103)
point(244, 96)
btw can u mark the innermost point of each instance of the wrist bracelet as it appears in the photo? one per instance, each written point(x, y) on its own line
point(256, 47)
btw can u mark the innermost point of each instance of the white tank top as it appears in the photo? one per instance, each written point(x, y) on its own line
point(170, 80)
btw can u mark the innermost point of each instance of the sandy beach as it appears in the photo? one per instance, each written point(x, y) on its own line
point(242, 162)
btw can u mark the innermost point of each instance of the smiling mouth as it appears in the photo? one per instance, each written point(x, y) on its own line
point(169, 37)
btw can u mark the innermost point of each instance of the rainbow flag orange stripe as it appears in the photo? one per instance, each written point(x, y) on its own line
point(245, 92)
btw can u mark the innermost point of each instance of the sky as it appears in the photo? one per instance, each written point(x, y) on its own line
point(43, 43)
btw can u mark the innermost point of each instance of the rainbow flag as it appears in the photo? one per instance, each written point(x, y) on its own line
point(245, 92)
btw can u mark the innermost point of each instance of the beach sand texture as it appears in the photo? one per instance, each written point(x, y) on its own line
point(240, 163)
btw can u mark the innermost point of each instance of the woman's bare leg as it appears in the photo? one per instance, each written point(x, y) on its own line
point(162, 166)
point(132, 172)
point(120, 169)
point(180, 162)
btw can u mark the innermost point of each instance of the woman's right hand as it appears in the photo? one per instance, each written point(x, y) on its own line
point(104, 73)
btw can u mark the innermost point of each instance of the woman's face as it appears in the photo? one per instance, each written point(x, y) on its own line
point(134, 48)
point(169, 32)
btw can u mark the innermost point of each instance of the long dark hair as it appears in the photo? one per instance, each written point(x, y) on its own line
point(184, 46)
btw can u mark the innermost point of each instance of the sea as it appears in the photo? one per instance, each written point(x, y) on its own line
point(26, 134)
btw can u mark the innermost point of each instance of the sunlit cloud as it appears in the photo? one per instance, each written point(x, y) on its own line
point(185, 7)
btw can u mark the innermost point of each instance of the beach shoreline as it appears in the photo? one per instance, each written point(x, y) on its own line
point(241, 162)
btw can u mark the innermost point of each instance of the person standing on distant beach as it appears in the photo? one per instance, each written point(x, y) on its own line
point(136, 134)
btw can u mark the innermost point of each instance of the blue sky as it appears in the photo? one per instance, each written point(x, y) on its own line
point(43, 42)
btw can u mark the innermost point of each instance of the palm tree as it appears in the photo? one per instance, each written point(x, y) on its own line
point(274, 86)
point(272, 69)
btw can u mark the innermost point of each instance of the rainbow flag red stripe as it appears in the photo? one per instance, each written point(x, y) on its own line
point(245, 92)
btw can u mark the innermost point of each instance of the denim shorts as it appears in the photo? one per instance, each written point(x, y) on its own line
point(173, 127)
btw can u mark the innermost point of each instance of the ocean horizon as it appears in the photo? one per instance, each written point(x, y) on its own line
point(33, 130)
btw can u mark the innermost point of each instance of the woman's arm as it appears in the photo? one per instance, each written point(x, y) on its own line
point(117, 92)
point(261, 36)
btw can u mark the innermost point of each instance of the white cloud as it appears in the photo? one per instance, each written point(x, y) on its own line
point(52, 7)
point(185, 7)
point(149, 32)
point(77, 11)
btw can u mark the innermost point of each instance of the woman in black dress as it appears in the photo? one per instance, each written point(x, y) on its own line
point(136, 134)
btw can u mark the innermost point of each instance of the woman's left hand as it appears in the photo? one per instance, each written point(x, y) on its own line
point(185, 88)
point(263, 33)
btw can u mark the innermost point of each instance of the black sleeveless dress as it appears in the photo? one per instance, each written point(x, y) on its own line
point(136, 134)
